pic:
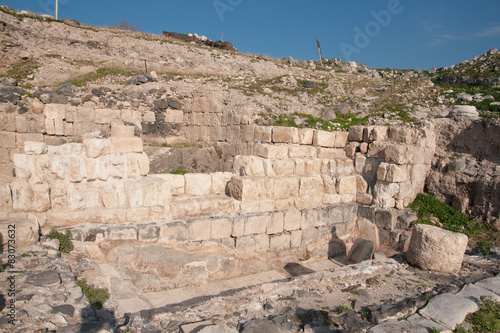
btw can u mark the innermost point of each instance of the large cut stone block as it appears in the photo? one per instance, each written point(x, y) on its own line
point(347, 185)
point(198, 184)
point(221, 228)
point(122, 131)
point(341, 139)
point(200, 229)
point(432, 248)
point(306, 136)
point(54, 118)
point(243, 189)
point(285, 134)
point(104, 116)
point(126, 145)
point(361, 250)
point(174, 116)
point(256, 224)
point(324, 139)
point(219, 181)
point(35, 148)
point(97, 147)
point(272, 151)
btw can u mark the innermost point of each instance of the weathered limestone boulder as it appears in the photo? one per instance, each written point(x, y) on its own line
point(432, 248)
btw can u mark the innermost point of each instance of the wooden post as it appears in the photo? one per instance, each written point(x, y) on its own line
point(56, 10)
point(146, 67)
point(320, 56)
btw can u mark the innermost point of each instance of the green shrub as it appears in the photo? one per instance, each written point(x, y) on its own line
point(96, 296)
point(487, 319)
point(65, 242)
point(459, 329)
point(179, 172)
point(451, 219)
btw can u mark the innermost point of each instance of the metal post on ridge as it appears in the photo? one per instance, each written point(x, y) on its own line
point(56, 10)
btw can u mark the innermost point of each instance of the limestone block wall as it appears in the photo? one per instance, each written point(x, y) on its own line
point(56, 124)
point(394, 161)
point(99, 180)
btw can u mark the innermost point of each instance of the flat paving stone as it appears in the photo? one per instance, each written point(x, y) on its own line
point(492, 284)
point(474, 293)
point(176, 296)
point(396, 326)
point(65, 309)
point(195, 327)
point(417, 320)
point(132, 305)
point(44, 279)
point(448, 310)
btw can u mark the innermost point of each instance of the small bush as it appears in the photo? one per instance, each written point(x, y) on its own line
point(487, 319)
point(65, 242)
point(451, 219)
point(96, 296)
point(459, 329)
point(179, 172)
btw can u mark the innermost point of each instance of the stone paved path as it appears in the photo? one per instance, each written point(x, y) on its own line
point(444, 312)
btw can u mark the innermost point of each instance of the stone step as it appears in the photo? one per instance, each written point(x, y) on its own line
point(334, 163)
point(194, 206)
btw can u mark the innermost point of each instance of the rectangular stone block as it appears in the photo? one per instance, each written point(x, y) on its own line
point(256, 224)
point(122, 131)
point(148, 232)
point(21, 138)
point(356, 133)
point(324, 139)
point(309, 235)
point(85, 114)
point(174, 116)
point(261, 243)
point(35, 148)
point(54, 118)
point(7, 140)
point(284, 188)
point(221, 228)
point(285, 134)
point(122, 233)
point(104, 116)
point(385, 219)
point(331, 154)
point(198, 184)
point(279, 242)
point(292, 220)
point(245, 242)
point(219, 181)
point(272, 151)
point(306, 136)
point(126, 145)
point(238, 226)
point(200, 229)
point(174, 232)
point(341, 139)
point(296, 239)
point(311, 186)
point(275, 225)
point(297, 151)
point(244, 188)
point(263, 134)
point(176, 183)
point(347, 185)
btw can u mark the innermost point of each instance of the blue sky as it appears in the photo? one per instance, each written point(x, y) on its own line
point(415, 34)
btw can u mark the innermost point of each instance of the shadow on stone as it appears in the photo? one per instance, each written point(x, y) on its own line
point(295, 269)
